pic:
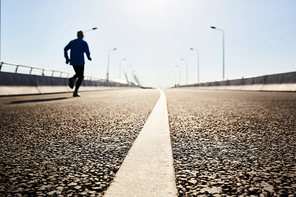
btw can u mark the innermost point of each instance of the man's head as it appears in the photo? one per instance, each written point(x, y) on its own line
point(80, 34)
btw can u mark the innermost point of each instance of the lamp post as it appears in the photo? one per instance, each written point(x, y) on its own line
point(127, 72)
point(133, 76)
point(197, 63)
point(108, 63)
point(186, 70)
point(175, 76)
point(120, 67)
point(223, 43)
point(179, 74)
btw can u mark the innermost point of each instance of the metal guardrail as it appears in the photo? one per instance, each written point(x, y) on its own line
point(44, 70)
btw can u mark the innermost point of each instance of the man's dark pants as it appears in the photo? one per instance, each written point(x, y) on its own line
point(79, 71)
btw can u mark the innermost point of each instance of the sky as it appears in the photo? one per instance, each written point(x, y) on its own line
point(153, 36)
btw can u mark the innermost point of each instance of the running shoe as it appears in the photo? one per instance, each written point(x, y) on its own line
point(75, 94)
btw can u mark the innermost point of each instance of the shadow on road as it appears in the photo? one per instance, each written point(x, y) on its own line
point(37, 100)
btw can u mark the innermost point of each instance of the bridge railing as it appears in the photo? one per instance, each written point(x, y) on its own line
point(23, 69)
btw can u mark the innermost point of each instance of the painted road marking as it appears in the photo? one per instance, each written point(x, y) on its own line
point(148, 167)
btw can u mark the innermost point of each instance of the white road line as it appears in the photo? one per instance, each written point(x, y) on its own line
point(148, 167)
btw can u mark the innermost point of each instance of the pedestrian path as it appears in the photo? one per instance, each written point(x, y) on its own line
point(148, 168)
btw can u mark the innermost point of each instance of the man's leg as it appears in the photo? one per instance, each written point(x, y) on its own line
point(72, 79)
point(71, 82)
point(79, 73)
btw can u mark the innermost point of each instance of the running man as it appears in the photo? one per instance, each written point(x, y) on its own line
point(78, 48)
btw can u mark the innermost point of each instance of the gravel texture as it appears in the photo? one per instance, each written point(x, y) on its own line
point(233, 143)
point(56, 145)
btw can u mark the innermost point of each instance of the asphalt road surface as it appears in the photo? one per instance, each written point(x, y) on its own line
point(225, 143)
point(233, 143)
point(59, 145)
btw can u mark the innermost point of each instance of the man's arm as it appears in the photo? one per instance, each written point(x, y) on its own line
point(66, 52)
point(86, 50)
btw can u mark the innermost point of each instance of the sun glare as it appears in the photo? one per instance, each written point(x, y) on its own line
point(150, 13)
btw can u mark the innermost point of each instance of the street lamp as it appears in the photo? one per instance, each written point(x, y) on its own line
point(179, 74)
point(223, 49)
point(127, 72)
point(197, 63)
point(133, 76)
point(108, 63)
point(91, 29)
point(175, 76)
point(120, 67)
point(186, 70)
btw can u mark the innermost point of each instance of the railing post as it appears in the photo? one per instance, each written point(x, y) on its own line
point(1, 65)
point(16, 68)
point(42, 72)
point(31, 70)
point(52, 73)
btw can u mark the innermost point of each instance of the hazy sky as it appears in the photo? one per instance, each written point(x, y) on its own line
point(153, 35)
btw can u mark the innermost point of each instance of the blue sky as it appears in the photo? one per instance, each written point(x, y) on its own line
point(153, 35)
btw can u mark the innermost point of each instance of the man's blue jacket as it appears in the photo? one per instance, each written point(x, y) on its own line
point(78, 48)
